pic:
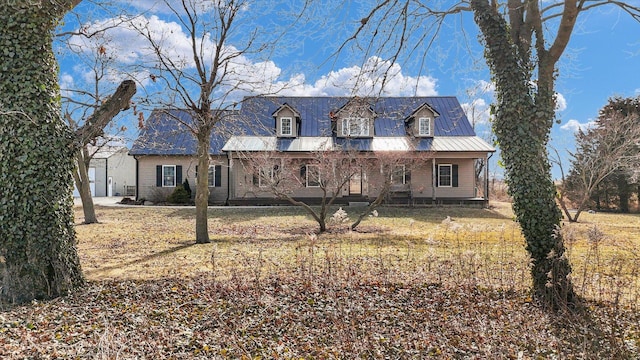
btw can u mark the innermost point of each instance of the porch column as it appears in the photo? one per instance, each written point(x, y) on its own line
point(486, 178)
point(433, 179)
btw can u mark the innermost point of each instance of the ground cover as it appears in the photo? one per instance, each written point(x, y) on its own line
point(410, 283)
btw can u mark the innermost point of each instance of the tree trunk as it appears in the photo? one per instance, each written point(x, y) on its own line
point(37, 237)
point(523, 118)
point(623, 193)
point(83, 183)
point(202, 188)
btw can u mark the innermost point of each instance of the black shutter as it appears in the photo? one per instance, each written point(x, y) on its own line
point(196, 172)
point(454, 176)
point(158, 175)
point(407, 176)
point(437, 170)
point(303, 174)
point(218, 176)
point(178, 174)
point(256, 179)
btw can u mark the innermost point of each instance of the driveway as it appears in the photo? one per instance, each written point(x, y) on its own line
point(101, 200)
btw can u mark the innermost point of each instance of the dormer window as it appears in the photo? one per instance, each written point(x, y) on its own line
point(286, 126)
point(355, 126)
point(424, 126)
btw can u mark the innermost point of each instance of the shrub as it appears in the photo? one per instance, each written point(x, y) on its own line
point(179, 196)
point(186, 186)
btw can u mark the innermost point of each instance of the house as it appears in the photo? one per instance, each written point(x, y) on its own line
point(430, 134)
point(111, 172)
point(165, 155)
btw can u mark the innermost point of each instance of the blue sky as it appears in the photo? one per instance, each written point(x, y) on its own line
point(602, 60)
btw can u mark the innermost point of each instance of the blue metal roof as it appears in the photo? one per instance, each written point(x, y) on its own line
point(165, 133)
point(391, 113)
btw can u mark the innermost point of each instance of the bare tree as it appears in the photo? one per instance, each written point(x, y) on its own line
point(207, 81)
point(324, 172)
point(523, 63)
point(316, 180)
point(612, 145)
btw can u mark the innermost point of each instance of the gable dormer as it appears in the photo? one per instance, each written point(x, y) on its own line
point(355, 119)
point(421, 122)
point(287, 121)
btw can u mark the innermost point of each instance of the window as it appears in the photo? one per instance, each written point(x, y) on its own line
point(211, 181)
point(265, 175)
point(424, 126)
point(355, 127)
point(399, 175)
point(214, 176)
point(313, 176)
point(286, 126)
point(168, 175)
point(445, 175)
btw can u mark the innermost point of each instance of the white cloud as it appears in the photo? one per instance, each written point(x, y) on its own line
point(477, 111)
point(561, 102)
point(367, 80)
point(130, 49)
point(574, 125)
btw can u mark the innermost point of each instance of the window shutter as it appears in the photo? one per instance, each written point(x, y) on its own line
point(303, 174)
point(454, 176)
point(178, 174)
point(159, 175)
point(407, 176)
point(437, 174)
point(256, 179)
point(218, 174)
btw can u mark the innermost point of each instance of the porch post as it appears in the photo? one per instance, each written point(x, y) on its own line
point(486, 178)
point(433, 179)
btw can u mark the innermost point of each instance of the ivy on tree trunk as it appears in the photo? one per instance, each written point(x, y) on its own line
point(523, 116)
point(37, 237)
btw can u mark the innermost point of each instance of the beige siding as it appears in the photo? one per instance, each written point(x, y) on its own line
point(423, 113)
point(122, 168)
point(147, 188)
point(287, 113)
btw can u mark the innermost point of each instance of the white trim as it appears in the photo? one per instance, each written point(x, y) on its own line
point(404, 174)
point(356, 126)
point(307, 172)
point(450, 166)
point(282, 119)
point(427, 121)
point(211, 181)
point(165, 177)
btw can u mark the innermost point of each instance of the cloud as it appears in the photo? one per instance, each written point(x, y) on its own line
point(477, 111)
point(561, 102)
point(243, 76)
point(574, 125)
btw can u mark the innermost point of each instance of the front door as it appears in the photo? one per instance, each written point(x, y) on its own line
point(355, 184)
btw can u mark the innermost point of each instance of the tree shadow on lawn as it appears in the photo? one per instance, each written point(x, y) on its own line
point(597, 328)
point(138, 261)
point(426, 214)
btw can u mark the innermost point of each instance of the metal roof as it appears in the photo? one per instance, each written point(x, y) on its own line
point(166, 133)
point(389, 143)
point(272, 143)
point(252, 128)
point(460, 143)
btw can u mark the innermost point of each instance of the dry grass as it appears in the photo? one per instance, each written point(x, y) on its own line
point(410, 283)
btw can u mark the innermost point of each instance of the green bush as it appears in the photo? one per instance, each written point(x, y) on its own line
point(179, 196)
point(186, 186)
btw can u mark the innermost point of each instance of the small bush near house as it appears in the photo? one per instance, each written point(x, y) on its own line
point(179, 196)
point(186, 186)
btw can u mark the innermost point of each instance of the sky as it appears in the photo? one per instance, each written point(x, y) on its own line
point(601, 61)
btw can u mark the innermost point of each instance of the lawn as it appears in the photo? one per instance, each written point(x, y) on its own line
point(409, 283)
